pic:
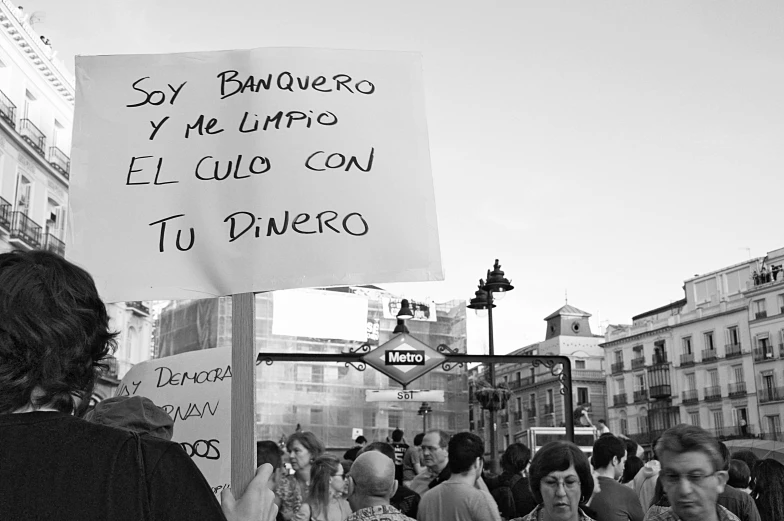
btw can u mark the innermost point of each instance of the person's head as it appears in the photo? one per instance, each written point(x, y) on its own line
point(371, 480)
point(397, 435)
point(361, 440)
point(631, 468)
point(465, 450)
point(560, 479)
point(631, 447)
point(54, 332)
point(692, 471)
point(380, 446)
point(268, 451)
point(725, 456)
point(602, 423)
point(746, 456)
point(434, 450)
point(303, 447)
point(739, 474)
point(768, 488)
point(326, 482)
point(133, 413)
point(516, 458)
point(609, 456)
point(418, 439)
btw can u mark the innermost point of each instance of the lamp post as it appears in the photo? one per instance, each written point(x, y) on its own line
point(496, 283)
point(424, 409)
point(404, 314)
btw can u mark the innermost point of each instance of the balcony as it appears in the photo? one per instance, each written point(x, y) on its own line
point(709, 355)
point(5, 214)
point(60, 161)
point(638, 363)
point(620, 399)
point(732, 351)
point(518, 416)
point(548, 408)
point(588, 374)
point(138, 307)
point(7, 109)
point(660, 391)
point(690, 396)
point(760, 314)
point(32, 135)
point(54, 245)
point(737, 389)
point(521, 382)
point(531, 413)
point(617, 367)
point(659, 358)
point(730, 432)
point(641, 395)
point(25, 230)
point(770, 394)
point(713, 393)
point(687, 359)
point(764, 353)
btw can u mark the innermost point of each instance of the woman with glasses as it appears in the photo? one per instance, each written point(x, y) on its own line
point(325, 499)
point(561, 483)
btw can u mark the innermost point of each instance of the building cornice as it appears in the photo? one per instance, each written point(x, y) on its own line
point(635, 336)
point(40, 55)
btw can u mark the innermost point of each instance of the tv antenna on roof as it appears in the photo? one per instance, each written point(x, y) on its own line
point(748, 250)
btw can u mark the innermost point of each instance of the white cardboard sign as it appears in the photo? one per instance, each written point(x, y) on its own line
point(195, 389)
point(205, 174)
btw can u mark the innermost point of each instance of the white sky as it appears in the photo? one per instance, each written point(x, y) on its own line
point(611, 149)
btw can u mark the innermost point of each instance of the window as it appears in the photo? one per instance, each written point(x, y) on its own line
point(691, 383)
point(621, 385)
point(718, 419)
point(781, 303)
point(758, 307)
point(317, 416)
point(619, 357)
point(532, 402)
point(642, 421)
point(394, 419)
point(686, 342)
point(694, 418)
point(549, 397)
point(518, 376)
point(774, 426)
point(705, 290)
point(317, 374)
point(713, 377)
point(24, 188)
point(580, 364)
point(708, 337)
point(763, 344)
point(738, 373)
point(519, 404)
point(582, 395)
point(733, 336)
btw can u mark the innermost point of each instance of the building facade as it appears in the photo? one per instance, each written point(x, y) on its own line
point(536, 399)
point(702, 360)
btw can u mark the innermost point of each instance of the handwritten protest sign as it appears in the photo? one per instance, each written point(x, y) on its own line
point(204, 174)
point(195, 389)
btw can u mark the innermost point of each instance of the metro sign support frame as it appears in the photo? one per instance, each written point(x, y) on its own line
point(443, 355)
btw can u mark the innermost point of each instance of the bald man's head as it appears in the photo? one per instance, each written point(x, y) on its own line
point(373, 474)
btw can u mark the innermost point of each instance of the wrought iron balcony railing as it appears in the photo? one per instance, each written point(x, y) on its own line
point(660, 391)
point(690, 396)
point(687, 359)
point(770, 394)
point(737, 389)
point(60, 161)
point(5, 213)
point(641, 395)
point(531, 412)
point(25, 229)
point(54, 245)
point(548, 408)
point(617, 367)
point(7, 109)
point(713, 393)
point(32, 135)
point(764, 353)
point(659, 358)
point(620, 399)
point(732, 350)
point(639, 362)
point(709, 355)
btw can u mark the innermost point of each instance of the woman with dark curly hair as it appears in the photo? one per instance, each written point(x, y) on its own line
point(54, 337)
point(768, 489)
point(561, 483)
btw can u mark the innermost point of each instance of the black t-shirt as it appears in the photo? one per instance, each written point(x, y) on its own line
point(54, 466)
point(400, 451)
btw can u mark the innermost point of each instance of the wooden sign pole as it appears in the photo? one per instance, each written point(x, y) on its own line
point(243, 391)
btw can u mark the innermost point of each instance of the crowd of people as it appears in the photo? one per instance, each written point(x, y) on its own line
point(61, 460)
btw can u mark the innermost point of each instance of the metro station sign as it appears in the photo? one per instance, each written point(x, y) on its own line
point(404, 358)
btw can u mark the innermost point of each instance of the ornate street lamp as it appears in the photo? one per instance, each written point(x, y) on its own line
point(496, 283)
point(404, 314)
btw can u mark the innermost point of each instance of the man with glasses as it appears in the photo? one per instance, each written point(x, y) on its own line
point(692, 475)
point(436, 459)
